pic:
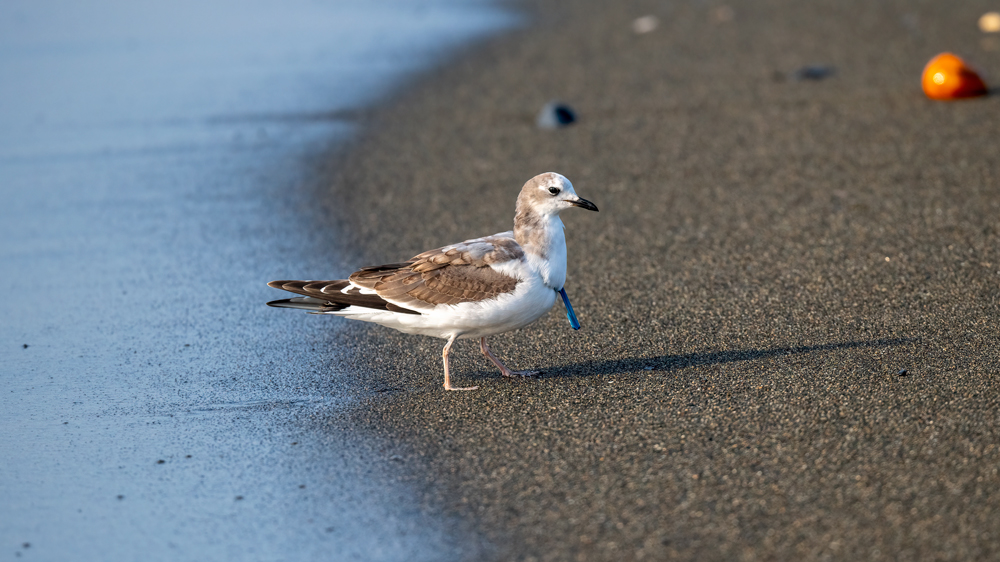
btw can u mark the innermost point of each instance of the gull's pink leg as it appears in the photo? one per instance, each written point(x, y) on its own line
point(447, 378)
point(503, 368)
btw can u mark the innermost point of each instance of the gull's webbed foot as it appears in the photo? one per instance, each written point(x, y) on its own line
point(507, 373)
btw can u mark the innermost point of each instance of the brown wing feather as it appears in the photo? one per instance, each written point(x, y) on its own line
point(449, 275)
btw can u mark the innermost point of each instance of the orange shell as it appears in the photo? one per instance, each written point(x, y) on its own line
point(946, 78)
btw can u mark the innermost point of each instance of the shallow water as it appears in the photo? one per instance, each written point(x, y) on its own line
point(153, 164)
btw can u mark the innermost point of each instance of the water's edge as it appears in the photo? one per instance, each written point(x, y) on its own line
point(156, 408)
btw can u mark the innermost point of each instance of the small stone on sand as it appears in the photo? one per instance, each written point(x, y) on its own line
point(555, 115)
point(990, 22)
point(645, 24)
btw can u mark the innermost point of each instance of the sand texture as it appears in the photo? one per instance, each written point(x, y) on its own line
point(789, 297)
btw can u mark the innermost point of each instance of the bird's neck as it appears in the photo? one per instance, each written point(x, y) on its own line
point(544, 244)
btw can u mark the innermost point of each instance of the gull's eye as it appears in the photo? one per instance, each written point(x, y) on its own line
point(554, 190)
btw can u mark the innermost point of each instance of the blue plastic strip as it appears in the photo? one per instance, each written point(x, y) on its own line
point(569, 311)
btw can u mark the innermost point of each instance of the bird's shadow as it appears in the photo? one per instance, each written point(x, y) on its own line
point(674, 362)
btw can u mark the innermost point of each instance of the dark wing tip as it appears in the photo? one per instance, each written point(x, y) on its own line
point(308, 304)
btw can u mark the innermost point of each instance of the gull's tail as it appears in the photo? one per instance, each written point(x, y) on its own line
point(306, 302)
point(331, 297)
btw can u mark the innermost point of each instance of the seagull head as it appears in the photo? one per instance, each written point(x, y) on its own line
point(550, 193)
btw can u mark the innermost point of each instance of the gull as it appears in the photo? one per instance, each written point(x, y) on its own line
point(473, 289)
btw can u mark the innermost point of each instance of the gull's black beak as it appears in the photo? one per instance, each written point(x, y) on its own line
point(584, 204)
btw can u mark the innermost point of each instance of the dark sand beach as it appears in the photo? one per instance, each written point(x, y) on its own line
point(789, 298)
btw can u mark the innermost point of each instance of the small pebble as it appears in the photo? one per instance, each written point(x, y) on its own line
point(161, 461)
point(25, 346)
point(645, 24)
point(990, 22)
point(555, 115)
point(238, 498)
point(121, 497)
point(723, 14)
point(813, 72)
point(902, 372)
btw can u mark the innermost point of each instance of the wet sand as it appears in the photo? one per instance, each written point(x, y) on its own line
point(788, 298)
point(152, 173)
